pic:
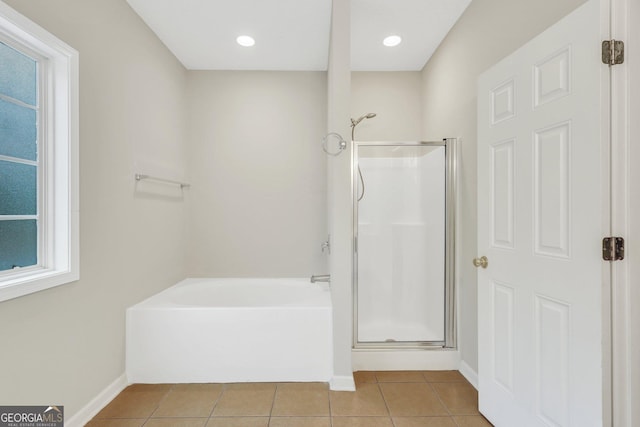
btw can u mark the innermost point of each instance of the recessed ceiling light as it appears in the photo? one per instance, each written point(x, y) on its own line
point(392, 41)
point(246, 41)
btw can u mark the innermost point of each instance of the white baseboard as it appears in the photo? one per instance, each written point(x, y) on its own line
point(395, 360)
point(84, 415)
point(469, 374)
point(343, 383)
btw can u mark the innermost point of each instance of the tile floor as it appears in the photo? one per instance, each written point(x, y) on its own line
point(382, 399)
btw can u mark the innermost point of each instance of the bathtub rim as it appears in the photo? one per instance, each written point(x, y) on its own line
point(159, 300)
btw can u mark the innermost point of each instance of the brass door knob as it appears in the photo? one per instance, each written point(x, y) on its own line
point(481, 262)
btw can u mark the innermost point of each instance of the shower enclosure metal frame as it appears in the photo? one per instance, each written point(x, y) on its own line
point(450, 335)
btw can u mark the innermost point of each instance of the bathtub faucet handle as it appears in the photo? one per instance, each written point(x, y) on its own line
point(321, 278)
point(326, 245)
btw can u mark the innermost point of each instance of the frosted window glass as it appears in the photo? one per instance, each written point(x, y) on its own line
point(17, 75)
point(401, 244)
point(18, 244)
point(18, 189)
point(18, 131)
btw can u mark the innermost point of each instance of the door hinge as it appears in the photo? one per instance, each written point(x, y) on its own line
point(613, 249)
point(612, 52)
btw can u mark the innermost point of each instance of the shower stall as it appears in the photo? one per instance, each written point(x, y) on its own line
point(403, 204)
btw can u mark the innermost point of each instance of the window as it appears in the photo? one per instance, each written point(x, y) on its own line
point(38, 158)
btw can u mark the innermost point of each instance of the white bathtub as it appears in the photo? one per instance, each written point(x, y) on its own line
point(231, 330)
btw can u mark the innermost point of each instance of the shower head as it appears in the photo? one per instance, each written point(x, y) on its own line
point(354, 122)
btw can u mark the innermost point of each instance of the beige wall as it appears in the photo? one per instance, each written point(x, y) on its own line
point(258, 173)
point(66, 344)
point(488, 31)
point(395, 97)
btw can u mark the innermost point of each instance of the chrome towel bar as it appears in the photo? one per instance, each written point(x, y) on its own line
point(140, 177)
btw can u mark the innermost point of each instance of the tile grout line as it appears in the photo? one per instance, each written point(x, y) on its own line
point(273, 403)
point(424, 381)
point(393, 422)
point(165, 397)
point(158, 405)
point(215, 404)
point(329, 399)
point(384, 399)
point(441, 401)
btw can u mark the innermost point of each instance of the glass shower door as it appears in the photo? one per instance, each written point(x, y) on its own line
point(401, 244)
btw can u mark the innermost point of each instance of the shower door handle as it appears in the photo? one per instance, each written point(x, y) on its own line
point(483, 262)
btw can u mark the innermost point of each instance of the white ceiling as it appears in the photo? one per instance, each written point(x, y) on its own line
point(294, 34)
point(422, 24)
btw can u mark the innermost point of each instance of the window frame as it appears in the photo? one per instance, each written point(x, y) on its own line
point(58, 160)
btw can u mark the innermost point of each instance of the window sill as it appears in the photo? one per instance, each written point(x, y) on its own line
point(35, 281)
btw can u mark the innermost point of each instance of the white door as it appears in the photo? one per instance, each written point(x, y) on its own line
point(543, 151)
